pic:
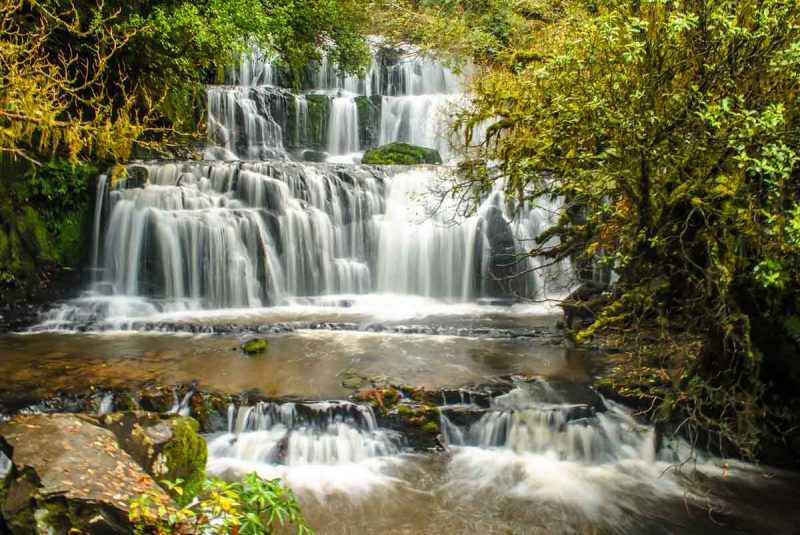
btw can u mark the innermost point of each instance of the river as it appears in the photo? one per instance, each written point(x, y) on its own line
point(359, 271)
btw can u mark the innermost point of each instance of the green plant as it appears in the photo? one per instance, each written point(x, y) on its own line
point(253, 506)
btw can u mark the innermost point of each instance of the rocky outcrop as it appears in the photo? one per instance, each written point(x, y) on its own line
point(401, 154)
point(369, 120)
point(68, 473)
point(502, 263)
point(168, 449)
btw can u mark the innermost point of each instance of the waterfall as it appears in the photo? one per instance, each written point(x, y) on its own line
point(523, 423)
point(258, 229)
point(175, 237)
point(343, 126)
point(402, 96)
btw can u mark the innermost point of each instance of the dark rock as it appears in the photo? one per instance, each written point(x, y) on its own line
point(369, 120)
point(502, 263)
point(314, 156)
point(160, 400)
point(68, 472)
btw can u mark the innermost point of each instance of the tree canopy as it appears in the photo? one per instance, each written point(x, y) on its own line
point(671, 129)
point(91, 77)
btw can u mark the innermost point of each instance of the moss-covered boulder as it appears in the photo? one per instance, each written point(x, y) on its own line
point(418, 423)
point(401, 154)
point(167, 449)
point(68, 473)
point(255, 346)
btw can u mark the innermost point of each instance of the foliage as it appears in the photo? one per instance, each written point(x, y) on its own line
point(254, 506)
point(58, 188)
point(671, 128)
point(481, 29)
point(90, 78)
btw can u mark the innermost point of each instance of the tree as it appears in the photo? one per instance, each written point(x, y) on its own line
point(90, 78)
point(671, 128)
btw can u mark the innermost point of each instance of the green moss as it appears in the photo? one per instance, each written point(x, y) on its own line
point(255, 346)
point(5, 246)
point(401, 154)
point(69, 240)
point(431, 427)
point(186, 456)
point(404, 410)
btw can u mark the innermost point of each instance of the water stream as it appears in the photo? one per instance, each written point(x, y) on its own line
point(347, 269)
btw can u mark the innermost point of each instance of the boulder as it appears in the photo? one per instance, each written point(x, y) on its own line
point(255, 346)
point(167, 449)
point(401, 154)
point(68, 473)
point(502, 264)
point(315, 156)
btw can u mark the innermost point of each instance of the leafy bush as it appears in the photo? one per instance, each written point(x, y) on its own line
point(670, 129)
point(254, 506)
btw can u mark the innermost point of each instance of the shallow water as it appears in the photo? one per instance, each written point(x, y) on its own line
point(531, 464)
point(306, 362)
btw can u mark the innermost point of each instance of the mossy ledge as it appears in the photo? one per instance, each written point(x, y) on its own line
point(401, 154)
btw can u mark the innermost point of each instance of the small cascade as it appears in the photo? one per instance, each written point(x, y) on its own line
point(522, 423)
point(343, 126)
point(322, 447)
point(106, 403)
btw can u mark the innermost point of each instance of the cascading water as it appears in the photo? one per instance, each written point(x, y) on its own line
point(401, 98)
point(321, 447)
point(174, 237)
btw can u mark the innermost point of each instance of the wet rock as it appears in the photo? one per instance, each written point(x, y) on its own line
point(68, 473)
point(419, 424)
point(167, 449)
point(382, 397)
point(157, 399)
point(255, 346)
point(502, 261)
point(584, 303)
point(314, 156)
point(210, 410)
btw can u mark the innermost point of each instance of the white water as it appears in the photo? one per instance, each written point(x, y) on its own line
point(249, 117)
point(216, 235)
point(318, 448)
point(529, 449)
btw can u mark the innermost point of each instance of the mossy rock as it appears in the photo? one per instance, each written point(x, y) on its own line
point(369, 120)
point(185, 457)
point(401, 154)
point(255, 346)
point(168, 449)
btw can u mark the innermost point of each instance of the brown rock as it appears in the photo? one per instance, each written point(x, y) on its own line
point(52, 488)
